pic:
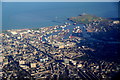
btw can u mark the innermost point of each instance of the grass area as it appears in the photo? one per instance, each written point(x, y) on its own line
point(5, 31)
point(85, 19)
point(35, 28)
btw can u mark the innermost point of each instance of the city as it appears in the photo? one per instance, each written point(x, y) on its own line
point(53, 53)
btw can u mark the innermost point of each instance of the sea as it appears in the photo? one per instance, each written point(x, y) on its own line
point(21, 15)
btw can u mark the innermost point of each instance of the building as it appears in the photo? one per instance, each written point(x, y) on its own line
point(33, 65)
point(22, 62)
point(79, 65)
point(116, 22)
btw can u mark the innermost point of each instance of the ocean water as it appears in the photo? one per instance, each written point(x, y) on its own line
point(20, 15)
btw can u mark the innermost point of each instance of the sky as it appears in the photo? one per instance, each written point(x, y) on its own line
point(0, 17)
point(60, 0)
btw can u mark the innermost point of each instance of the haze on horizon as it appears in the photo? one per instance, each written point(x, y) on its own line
point(60, 0)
